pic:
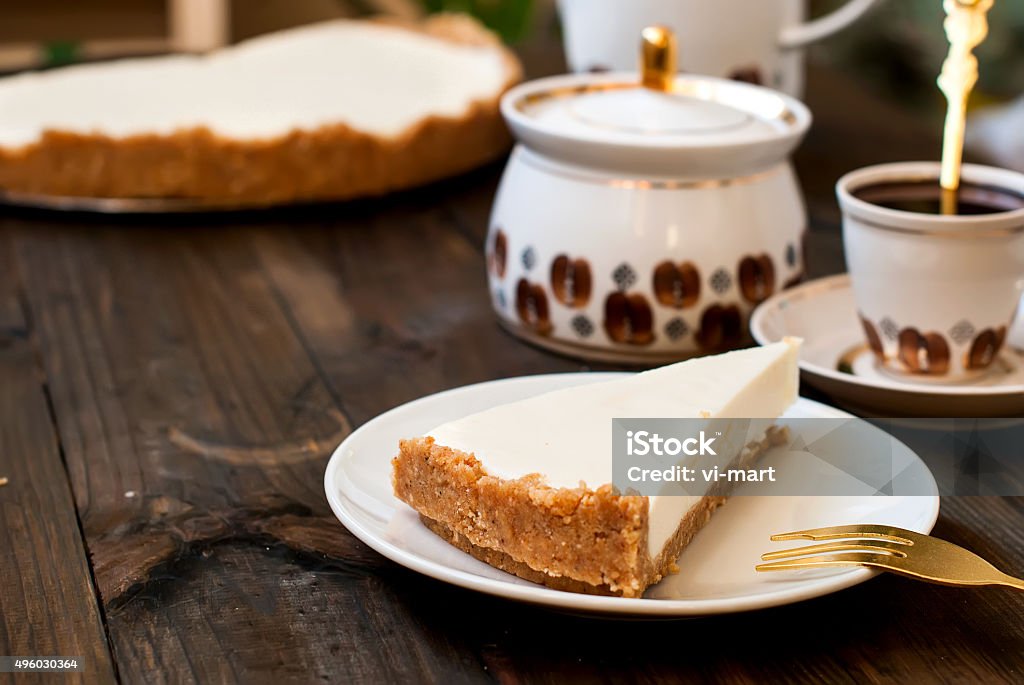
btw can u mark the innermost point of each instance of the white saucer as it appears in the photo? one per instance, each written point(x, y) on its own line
point(835, 358)
point(718, 567)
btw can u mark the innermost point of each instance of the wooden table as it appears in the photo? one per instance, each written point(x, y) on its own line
point(171, 388)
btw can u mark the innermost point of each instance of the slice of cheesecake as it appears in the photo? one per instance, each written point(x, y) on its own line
point(526, 486)
point(327, 111)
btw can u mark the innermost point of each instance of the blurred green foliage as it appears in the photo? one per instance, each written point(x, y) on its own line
point(509, 18)
point(61, 52)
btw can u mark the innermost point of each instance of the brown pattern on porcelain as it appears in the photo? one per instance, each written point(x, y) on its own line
point(677, 285)
point(874, 341)
point(757, 278)
point(721, 328)
point(532, 307)
point(985, 347)
point(497, 258)
point(632, 309)
point(571, 281)
point(926, 353)
point(931, 353)
point(628, 319)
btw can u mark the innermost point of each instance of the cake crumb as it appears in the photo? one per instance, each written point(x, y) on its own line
point(3, 481)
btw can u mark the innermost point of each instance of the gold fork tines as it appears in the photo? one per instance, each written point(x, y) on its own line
point(890, 549)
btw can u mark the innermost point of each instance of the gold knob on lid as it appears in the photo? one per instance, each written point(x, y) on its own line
point(658, 58)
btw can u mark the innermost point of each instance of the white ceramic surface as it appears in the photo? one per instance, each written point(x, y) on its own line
point(636, 225)
point(824, 314)
point(721, 38)
point(705, 129)
point(946, 288)
point(718, 575)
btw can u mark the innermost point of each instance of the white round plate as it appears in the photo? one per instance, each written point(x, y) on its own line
point(835, 359)
point(718, 573)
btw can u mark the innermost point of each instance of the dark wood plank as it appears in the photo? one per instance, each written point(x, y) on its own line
point(395, 305)
point(185, 405)
point(193, 418)
point(265, 614)
point(48, 606)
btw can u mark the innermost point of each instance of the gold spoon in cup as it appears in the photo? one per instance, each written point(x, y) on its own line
point(966, 26)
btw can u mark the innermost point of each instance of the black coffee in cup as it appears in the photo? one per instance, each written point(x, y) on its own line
point(925, 197)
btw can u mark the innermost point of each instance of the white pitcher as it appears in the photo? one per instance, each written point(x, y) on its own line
point(752, 40)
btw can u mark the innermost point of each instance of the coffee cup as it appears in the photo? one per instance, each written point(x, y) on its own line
point(758, 42)
point(936, 293)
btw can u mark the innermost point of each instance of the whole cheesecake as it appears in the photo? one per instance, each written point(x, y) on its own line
point(526, 486)
point(329, 111)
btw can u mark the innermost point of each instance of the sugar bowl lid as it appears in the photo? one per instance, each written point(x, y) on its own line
point(658, 122)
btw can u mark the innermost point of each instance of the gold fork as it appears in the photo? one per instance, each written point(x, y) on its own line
point(891, 549)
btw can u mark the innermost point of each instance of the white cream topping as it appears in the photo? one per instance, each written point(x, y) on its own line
point(566, 435)
point(373, 77)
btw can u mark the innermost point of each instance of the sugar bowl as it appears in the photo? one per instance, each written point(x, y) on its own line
point(643, 216)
